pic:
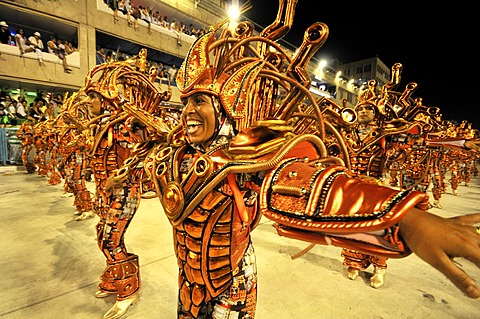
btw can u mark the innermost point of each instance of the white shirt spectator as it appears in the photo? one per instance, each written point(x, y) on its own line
point(37, 43)
point(52, 46)
point(22, 42)
point(175, 26)
point(21, 112)
point(61, 46)
point(173, 73)
point(12, 110)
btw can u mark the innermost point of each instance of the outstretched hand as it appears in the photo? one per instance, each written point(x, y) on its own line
point(438, 240)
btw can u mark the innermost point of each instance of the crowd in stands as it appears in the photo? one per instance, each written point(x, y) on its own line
point(34, 43)
point(14, 110)
point(135, 13)
point(166, 74)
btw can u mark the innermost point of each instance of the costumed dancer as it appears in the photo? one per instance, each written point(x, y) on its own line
point(368, 140)
point(112, 137)
point(25, 134)
point(400, 134)
point(40, 143)
point(51, 129)
point(237, 155)
point(74, 163)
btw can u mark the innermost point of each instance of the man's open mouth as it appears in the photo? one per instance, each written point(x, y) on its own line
point(193, 126)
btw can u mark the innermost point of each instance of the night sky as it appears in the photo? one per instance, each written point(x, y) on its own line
point(436, 46)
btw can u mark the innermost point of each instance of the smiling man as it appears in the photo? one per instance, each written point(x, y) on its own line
point(203, 120)
point(240, 154)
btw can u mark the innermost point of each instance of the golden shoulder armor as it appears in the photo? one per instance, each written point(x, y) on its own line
point(255, 142)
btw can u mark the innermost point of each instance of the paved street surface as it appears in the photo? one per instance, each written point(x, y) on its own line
point(50, 265)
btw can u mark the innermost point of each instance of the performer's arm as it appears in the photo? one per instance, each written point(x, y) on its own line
point(457, 143)
point(325, 206)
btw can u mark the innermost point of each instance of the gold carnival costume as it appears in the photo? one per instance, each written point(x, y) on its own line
point(405, 133)
point(266, 156)
point(52, 128)
point(369, 143)
point(40, 144)
point(26, 135)
point(111, 136)
point(74, 164)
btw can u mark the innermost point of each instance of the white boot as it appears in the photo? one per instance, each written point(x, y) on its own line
point(121, 307)
point(85, 215)
point(352, 273)
point(436, 203)
point(378, 278)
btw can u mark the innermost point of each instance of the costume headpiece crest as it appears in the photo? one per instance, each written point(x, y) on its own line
point(394, 105)
point(254, 77)
point(127, 81)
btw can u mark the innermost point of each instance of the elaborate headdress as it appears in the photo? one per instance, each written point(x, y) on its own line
point(127, 81)
point(368, 95)
point(254, 78)
point(393, 105)
point(383, 101)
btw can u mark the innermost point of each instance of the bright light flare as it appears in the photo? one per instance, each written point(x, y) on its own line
point(234, 12)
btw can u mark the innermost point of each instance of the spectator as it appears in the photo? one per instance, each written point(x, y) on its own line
point(183, 28)
point(8, 111)
point(163, 74)
point(136, 16)
point(114, 6)
point(109, 56)
point(22, 42)
point(40, 102)
point(21, 108)
point(127, 5)
point(36, 111)
point(37, 43)
point(191, 30)
point(69, 48)
point(52, 47)
point(10, 106)
point(173, 73)
point(156, 18)
point(122, 57)
point(145, 16)
point(51, 111)
point(4, 119)
point(58, 99)
point(201, 32)
point(122, 6)
point(5, 35)
point(57, 102)
point(100, 56)
point(164, 22)
point(175, 27)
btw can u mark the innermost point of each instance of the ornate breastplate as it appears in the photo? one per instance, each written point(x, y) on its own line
point(369, 163)
point(366, 153)
point(210, 236)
